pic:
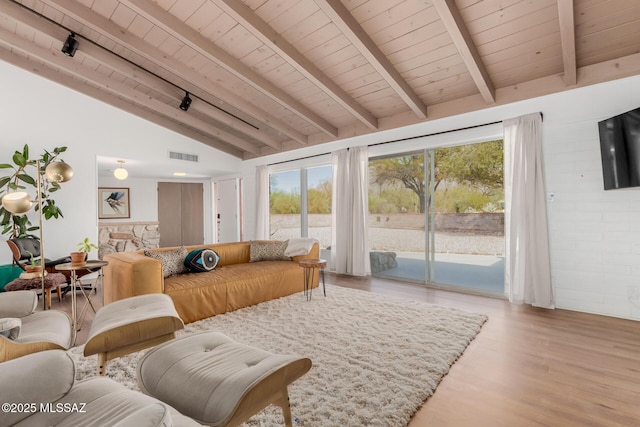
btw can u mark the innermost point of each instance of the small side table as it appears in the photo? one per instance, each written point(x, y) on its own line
point(76, 284)
point(310, 266)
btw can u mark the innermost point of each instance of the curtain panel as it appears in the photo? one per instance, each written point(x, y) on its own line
point(262, 203)
point(350, 249)
point(528, 271)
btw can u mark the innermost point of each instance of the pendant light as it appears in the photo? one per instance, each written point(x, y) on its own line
point(121, 173)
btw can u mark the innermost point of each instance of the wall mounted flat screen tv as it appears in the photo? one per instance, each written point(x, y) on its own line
point(620, 150)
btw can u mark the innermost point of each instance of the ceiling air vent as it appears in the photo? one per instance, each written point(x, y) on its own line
point(183, 156)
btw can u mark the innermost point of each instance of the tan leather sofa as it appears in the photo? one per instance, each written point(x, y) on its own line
point(234, 284)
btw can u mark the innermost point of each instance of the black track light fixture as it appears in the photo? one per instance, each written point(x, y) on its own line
point(70, 45)
point(186, 102)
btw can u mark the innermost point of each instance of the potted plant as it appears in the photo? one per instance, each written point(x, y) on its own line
point(82, 250)
point(22, 176)
point(34, 266)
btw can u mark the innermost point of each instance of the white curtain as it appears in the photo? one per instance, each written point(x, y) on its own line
point(527, 272)
point(350, 249)
point(262, 203)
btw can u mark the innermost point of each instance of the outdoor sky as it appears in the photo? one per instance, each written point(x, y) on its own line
point(289, 181)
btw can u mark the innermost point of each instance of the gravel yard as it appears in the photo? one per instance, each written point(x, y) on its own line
point(394, 239)
point(383, 239)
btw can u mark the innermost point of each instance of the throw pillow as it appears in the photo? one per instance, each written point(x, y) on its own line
point(199, 260)
point(172, 261)
point(268, 250)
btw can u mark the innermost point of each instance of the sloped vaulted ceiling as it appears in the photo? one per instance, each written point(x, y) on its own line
point(267, 76)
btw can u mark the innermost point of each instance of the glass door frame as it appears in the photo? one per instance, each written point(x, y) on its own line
point(428, 145)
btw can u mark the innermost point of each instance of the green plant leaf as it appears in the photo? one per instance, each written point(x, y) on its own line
point(14, 186)
point(5, 166)
point(20, 219)
point(19, 159)
point(28, 179)
point(6, 218)
point(4, 181)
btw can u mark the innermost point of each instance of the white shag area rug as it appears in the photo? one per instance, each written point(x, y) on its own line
point(376, 359)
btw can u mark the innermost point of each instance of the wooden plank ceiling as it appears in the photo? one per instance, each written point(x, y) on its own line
point(267, 76)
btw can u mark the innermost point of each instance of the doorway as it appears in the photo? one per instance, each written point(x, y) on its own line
point(229, 210)
point(180, 213)
point(437, 217)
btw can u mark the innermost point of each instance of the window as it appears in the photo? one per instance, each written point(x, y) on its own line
point(284, 205)
point(300, 204)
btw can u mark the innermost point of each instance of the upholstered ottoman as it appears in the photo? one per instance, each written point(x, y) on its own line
point(217, 381)
point(51, 280)
point(131, 325)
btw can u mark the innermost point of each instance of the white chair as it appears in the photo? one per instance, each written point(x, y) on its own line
point(24, 330)
point(35, 394)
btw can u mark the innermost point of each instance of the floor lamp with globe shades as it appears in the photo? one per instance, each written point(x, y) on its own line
point(20, 202)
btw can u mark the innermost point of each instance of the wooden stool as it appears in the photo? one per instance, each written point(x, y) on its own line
point(310, 266)
point(51, 280)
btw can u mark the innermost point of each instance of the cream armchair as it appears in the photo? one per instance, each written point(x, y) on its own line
point(34, 394)
point(24, 331)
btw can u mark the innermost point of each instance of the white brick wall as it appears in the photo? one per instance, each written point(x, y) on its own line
point(594, 234)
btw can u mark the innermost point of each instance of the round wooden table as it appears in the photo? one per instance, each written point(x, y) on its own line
point(310, 266)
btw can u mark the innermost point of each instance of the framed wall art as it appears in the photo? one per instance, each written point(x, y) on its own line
point(113, 202)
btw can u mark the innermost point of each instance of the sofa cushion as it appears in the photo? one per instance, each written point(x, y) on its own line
point(172, 261)
point(200, 260)
point(268, 250)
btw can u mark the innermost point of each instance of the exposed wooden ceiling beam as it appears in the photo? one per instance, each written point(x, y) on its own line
point(110, 99)
point(142, 76)
point(568, 40)
point(458, 32)
point(207, 48)
point(341, 17)
point(136, 73)
point(200, 86)
point(73, 67)
point(248, 19)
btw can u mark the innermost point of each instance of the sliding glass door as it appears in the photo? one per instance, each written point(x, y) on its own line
point(397, 216)
point(437, 216)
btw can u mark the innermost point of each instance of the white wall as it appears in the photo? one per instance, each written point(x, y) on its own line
point(594, 234)
point(143, 193)
point(43, 114)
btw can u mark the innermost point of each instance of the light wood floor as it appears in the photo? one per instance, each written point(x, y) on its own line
point(527, 367)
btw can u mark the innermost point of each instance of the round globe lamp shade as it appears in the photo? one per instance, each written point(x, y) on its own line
point(17, 202)
point(121, 173)
point(58, 172)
